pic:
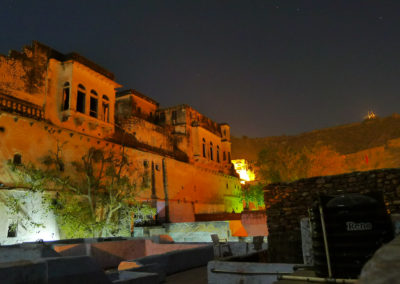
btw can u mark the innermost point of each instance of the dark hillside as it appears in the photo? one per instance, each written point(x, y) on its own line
point(345, 139)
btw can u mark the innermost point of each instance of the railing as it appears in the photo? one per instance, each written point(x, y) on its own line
point(13, 105)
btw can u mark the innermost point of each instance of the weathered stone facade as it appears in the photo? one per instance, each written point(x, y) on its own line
point(287, 203)
point(49, 99)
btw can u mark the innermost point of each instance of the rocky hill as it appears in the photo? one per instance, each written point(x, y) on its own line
point(345, 139)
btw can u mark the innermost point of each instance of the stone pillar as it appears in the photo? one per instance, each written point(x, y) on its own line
point(165, 182)
point(153, 182)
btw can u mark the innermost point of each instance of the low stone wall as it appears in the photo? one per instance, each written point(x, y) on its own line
point(110, 254)
point(76, 269)
point(287, 203)
point(247, 223)
point(198, 231)
point(173, 261)
point(254, 223)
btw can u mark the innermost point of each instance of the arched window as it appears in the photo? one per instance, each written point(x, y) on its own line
point(224, 156)
point(229, 157)
point(94, 104)
point(162, 117)
point(174, 116)
point(80, 99)
point(211, 152)
point(65, 97)
point(217, 153)
point(204, 147)
point(106, 109)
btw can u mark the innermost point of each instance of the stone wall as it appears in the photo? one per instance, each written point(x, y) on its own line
point(287, 203)
point(31, 220)
point(148, 133)
point(41, 113)
point(191, 190)
point(24, 73)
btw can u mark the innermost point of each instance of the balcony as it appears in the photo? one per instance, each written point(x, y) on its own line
point(83, 120)
point(23, 108)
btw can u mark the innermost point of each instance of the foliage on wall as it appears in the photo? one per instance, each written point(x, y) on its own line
point(253, 193)
point(96, 198)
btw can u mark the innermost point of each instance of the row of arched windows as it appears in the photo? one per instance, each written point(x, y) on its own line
point(81, 102)
point(211, 152)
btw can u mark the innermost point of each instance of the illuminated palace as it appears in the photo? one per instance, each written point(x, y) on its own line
point(49, 99)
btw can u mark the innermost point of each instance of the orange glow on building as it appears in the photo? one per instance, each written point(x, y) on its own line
point(179, 158)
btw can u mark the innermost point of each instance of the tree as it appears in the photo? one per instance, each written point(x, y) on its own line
point(96, 198)
point(282, 164)
point(325, 161)
point(254, 194)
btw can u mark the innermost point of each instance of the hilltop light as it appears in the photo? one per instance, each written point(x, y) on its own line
point(243, 170)
point(370, 115)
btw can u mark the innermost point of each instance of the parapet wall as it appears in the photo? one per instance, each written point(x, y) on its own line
point(287, 203)
point(22, 74)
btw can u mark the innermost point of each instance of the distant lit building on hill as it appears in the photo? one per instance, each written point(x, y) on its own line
point(245, 172)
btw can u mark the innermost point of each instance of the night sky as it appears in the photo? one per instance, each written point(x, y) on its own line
point(269, 67)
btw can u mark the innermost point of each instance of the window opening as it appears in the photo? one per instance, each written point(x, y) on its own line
point(17, 160)
point(174, 116)
point(65, 99)
point(80, 99)
point(12, 229)
point(224, 156)
point(211, 152)
point(204, 147)
point(218, 154)
point(93, 104)
point(162, 117)
point(106, 109)
point(229, 156)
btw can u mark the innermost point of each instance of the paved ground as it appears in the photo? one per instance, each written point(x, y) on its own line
point(192, 276)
